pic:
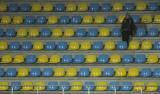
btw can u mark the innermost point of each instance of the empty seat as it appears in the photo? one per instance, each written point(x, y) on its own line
point(117, 6)
point(96, 72)
point(122, 45)
point(82, 6)
point(64, 20)
point(152, 6)
point(109, 45)
point(6, 58)
point(129, 6)
point(153, 32)
point(39, 86)
point(146, 72)
point(90, 58)
point(98, 45)
point(23, 72)
point(52, 86)
point(141, 6)
point(5, 20)
point(126, 86)
point(134, 45)
point(104, 32)
point(22, 32)
point(73, 45)
point(54, 59)
point(103, 58)
point(29, 20)
point(71, 72)
point(114, 86)
point(2, 72)
point(18, 59)
point(146, 18)
point(13, 7)
point(14, 45)
point(106, 7)
point(67, 59)
point(108, 72)
point(11, 72)
point(38, 45)
point(79, 59)
point(156, 72)
point(1, 32)
point(152, 59)
point(41, 20)
point(59, 72)
point(64, 86)
point(27, 86)
point(71, 7)
point(136, 18)
point(146, 45)
point(50, 45)
point(87, 19)
point(36, 7)
point(17, 20)
point(80, 32)
point(94, 7)
point(4, 85)
point(30, 59)
point(25, 7)
point(120, 72)
point(47, 72)
point(133, 72)
point(127, 58)
point(120, 18)
point(84, 72)
point(62, 45)
point(47, 7)
point(116, 32)
point(85, 45)
point(152, 86)
point(35, 72)
point(99, 19)
point(157, 19)
point(69, 32)
point(26, 45)
point(141, 32)
point(115, 58)
point(101, 86)
point(92, 32)
point(76, 86)
point(59, 7)
point(10, 32)
point(57, 32)
point(3, 7)
point(33, 32)
point(138, 86)
point(3, 45)
point(52, 20)
point(140, 58)
point(111, 19)
point(42, 59)
point(16, 85)
point(89, 86)
point(76, 20)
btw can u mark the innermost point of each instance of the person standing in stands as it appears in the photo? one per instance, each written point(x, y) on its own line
point(128, 28)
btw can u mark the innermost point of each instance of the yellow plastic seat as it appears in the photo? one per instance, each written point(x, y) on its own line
point(96, 72)
point(47, 7)
point(141, 6)
point(3, 45)
point(4, 85)
point(6, 58)
point(85, 45)
point(157, 19)
point(117, 6)
point(55, 59)
point(37, 45)
point(52, 20)
point(120, 72)
point(152, 59)
point(27, 86)
point(109, 45)
point(146, 45)
point(87, 19)
point(104, 32)
point(133, 72)
point(146, 18)
point(82, 6)
point(18, 59)
point(3, 7)
point(57, 32)
point(76, 86)
point(22, 32)
point(101, 86)
point(134, 45)
point(138, 86)
point(17, 20)
point(91, 59)
point(152, 86)
point(36, 7)
point(71, 72)
point(40, 86)
point(33, 32)
point(23, 72)
point(69, 32)
point(115, 58)
point(121, 18)
point(99, 19)
point(5, 20)
point(71, 7)
point(73, 45)
point(42, 59)
point(59, 72)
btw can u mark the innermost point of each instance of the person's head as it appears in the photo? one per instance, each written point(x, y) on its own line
point(127, 15)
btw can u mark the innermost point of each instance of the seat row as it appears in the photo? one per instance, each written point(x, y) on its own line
point(79, 86)
point(78, 32)
point(86, 19)
point(79, 45)
point(80, 7)
point(79, 72)
point(80, 59)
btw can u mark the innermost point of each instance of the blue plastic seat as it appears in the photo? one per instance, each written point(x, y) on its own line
point(41, 20)
point(25, 8)
point(15, 86)
point(76, 19)
point(116, 32)
point(127, 59)
point(45, 32)
point(12, 7)
point(59, 7)
point(14, 45)
point(26, 45)
point(2, 72)
point(106, 7)
point(156, 72)
point(146, 72)
point(108, 72)
point(62, 45)
point(126, 86)
point(153, 32)
point(64, 20)
point(98, 45)
point(67, 59)
point(140, 58)
point(129, 6)
point(136, 18)
point(50, 45)
point(103, 58)
point(10, 32)
point(94, 7)
point(35, 72)
point(80, 32)
point(111, 19)
point(52, 86)
point(114, 86)
point(89, 85)
point(29, 20)
point(11, 72)
point(47, 72)
point(122, 45)
point(1, 32)
point(157, 45)
point(141, 32)
point(79, 59)
point(30, 59)
point(92, 32)
point(64, 86)
point(84, 72)
point(152, 6)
